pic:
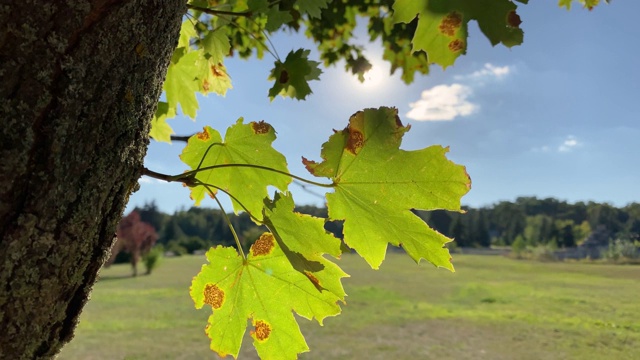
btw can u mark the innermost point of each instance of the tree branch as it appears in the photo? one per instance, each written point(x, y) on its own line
point(180, 138)
point(186, 179)
point(219, 12)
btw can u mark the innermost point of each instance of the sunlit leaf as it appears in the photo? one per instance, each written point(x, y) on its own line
point(216, 45)
point(244, 144)
point(181, 84)
point(377, 184)
point(160, 130)
point(266, 289)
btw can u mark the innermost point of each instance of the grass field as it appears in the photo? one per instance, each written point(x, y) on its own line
point(491, 308)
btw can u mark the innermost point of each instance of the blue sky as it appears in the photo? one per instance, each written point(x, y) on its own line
point(555, 117)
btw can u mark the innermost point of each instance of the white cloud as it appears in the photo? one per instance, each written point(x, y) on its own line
point(487, 72)
point(446, 102)
point(569, 144)
point(144, 180)
point(442, 102)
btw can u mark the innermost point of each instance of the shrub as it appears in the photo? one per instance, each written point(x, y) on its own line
point(152, 258)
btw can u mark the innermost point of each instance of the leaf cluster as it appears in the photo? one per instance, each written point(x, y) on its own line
point(370, 188)
point(374, 186)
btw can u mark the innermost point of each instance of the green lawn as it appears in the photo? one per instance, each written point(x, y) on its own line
point(491, 308)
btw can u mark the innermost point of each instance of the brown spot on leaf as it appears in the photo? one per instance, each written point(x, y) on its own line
point(264, 245)
point(262, 330)
point(313, 279)
point(203, 135)
point(398, 121)
point(284, 77)
point(451, 23)
point(513, 19)
point(309, 164)
point(217, 72)
point(205, 85)
point(355, 141)
point(456, 45)
point(213, 296)
point(260, 127)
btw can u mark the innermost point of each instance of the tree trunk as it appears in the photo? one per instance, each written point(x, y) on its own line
point(79, 83)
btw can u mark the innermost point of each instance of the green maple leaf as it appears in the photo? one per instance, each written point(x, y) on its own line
point(276, 18)
point(181, 83)
point(589, 4)
point(442, 25)
point(565, 3)
point(292, 77)
point(244, 144)
point(212, 76)
point(265, 288)
point(216, 44)
point(304, 240)
point(302, 233)
point(217, 80)
point(377, 184)
point(160, 130)
point(187, 32)
point(312, 7)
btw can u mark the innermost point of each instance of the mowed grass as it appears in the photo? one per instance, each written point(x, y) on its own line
point(490, 308)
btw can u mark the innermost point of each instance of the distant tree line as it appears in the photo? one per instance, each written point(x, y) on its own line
point(549, 222)
point(528, 219)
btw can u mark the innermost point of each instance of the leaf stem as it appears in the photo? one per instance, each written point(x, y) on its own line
point(206, 152)
point(266, 168)
point(228, 221)
point(198, 182)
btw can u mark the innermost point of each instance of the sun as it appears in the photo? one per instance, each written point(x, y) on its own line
point(373, 79)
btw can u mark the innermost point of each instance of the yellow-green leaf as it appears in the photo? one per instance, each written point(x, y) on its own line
point(238, 164)
point(160, 130)
point(181, 84)
point(377, 185)
point(264, 288)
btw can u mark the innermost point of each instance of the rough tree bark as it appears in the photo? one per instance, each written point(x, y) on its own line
point(79, 81)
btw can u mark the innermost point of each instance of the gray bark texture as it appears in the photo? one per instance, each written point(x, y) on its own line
point(79, 82)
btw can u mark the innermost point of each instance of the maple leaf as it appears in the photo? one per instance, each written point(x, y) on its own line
point(377, 184)
point(264, 288)
point(246, 145)
point(181, 83)
point(276, 18)
point(312, 7)
point(442, 25)
point(304, 240)
point(216, 45)
point(160, 130)
point(213, 77)
point(292, 77)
